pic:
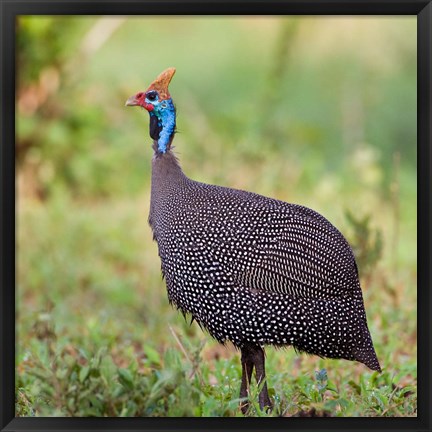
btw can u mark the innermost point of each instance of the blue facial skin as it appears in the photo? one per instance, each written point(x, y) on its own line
point(165, 113)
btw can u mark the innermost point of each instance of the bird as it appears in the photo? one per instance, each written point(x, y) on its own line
point(250, 269)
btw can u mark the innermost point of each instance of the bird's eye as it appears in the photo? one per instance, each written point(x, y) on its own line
point(152, 96)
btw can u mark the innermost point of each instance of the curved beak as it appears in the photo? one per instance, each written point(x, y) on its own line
point(132, 101)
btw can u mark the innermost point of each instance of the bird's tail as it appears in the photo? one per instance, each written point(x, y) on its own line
point(366, 353)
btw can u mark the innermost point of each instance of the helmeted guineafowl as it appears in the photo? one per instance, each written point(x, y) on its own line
point(250, 269)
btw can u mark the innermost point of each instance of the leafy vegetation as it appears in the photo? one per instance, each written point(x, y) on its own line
point(283, 107)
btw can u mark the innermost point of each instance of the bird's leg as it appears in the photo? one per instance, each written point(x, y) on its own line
point(253, 356)
point(247, 368)
point(259, 363)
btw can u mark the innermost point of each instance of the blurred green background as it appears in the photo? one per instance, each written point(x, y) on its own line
point(319, 111)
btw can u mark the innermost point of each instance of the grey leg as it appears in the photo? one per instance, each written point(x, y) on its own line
point(247, 368)
point(264, 399)
point(253, 356)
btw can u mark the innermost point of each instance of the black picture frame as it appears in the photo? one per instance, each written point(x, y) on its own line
point(11, 8)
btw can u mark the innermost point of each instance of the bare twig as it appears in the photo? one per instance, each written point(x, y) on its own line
point(194, 365)
point(100, 32)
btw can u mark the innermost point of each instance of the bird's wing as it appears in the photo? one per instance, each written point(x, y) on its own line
point(265, 245)
point(294, 251)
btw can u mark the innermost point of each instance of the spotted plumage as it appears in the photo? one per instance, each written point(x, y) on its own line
point(254, 270)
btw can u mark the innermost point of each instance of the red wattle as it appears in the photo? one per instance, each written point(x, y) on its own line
point(148, 107)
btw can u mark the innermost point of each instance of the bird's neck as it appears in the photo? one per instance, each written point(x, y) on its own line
point(163, 126)
point(167, 185)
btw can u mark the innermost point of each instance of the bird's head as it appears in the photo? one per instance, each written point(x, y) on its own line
point(157, 101)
